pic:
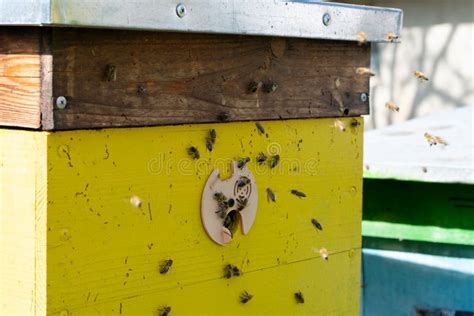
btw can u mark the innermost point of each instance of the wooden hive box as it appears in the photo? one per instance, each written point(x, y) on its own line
point(90, 211)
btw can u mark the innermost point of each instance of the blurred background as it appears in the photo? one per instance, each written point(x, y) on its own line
point(437, 38)
point(418, 200)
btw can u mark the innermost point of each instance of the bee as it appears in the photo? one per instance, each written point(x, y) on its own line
point(194, 152)
point(361, 38)
point(241, 204)
point(260, 128)
point(166, 266)
point(222, 204)
point(111, 73)
point(230, 220)
point(337, 83)
point(270, 87)
point(231, 271)
point(242, 162)
point(211, 139)
point(355, 123)
point(298, 193)
point(136, 201)
point(270, 195)
point(340, 125)
point(317, 224)
point(324, 253)
point(391, 36)
point(223, 117)
point(245, 297)
point(392, 106)
point(261, 158)
point(165, 311)
point(434, 140)
point(363, 71)
point(299, 297)
point(421, 76)
point(243, 181)
point(274, 161)
point(254, 86)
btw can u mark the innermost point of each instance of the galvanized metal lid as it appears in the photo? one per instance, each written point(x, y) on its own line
point(307, 19)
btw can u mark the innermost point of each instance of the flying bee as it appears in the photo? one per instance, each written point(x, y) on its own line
point(261, 158)
point(194, 152)
point(340, 125)
point(355, 123)
point(165, 311)
point(270, 195)
point(364, 71)
point(391, 36)
point(392, 106)
point(317, 224)
point(260, 128)
point(324, 253)
point(243, 181)
point(231, 270)
point(211, 139)
point(434, 140)
point(242, 162)
point(245, 297)
point(274, 161)
point(299, 297)
point(361, 38)
point(254, 86)
point(298, 193)
point(421, 76)
point(166, 266)
point(337, 83)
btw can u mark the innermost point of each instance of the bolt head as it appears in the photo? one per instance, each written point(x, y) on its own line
point(181, 10)
point(326, 19)
point(364, 97)
point(61, 103)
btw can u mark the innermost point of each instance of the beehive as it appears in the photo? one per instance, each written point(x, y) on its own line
point(90, 211)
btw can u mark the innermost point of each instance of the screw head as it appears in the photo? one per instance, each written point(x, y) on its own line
point(181, 10)
point(364, 97)
point(61, 103)
point(326, 19)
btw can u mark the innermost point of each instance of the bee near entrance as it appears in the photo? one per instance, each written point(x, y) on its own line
point(226, 203)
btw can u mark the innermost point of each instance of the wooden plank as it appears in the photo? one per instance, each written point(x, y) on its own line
point(175, 78)
point(103, 251)
point(20, 83)
point(20, 182)
point(275, 296)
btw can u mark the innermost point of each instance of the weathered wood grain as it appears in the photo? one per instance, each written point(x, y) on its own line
point(171, 78)
point(20, 83)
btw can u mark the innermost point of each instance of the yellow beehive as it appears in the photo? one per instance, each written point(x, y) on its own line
point(88, 250)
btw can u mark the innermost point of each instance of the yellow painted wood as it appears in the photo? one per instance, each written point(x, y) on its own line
point(102, 251)
point(22, 166)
